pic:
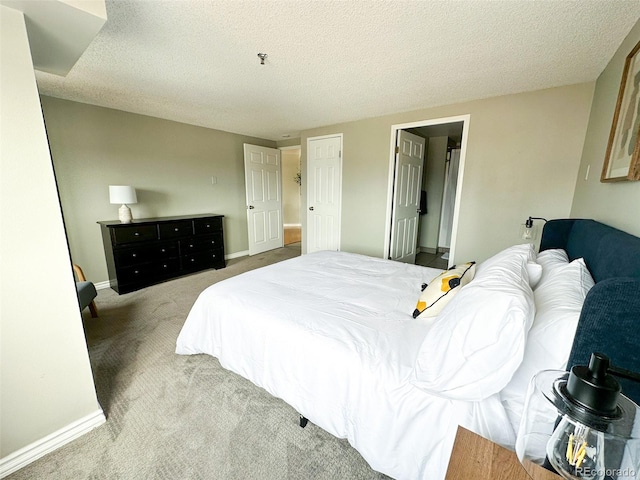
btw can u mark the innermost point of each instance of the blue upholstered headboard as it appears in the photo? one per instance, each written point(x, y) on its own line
point(610, 318)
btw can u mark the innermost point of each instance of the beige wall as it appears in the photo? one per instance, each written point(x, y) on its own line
point(290, 189)
point(170, 164)
point(616, 204)
point(433, 183)
point(46, 377)
point(523, 153)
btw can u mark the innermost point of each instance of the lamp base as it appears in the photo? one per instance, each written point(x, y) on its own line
point(124, 214)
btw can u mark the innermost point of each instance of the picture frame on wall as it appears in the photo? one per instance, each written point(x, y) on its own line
point(622, 160)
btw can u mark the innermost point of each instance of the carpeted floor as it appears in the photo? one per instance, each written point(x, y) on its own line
point(185, 417)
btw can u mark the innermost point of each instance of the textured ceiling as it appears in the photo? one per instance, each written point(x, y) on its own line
point(333, 61)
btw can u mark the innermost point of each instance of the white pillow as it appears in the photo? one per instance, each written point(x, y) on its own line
point(552, 257)
point(558, 305)
point(550, 260)
point(524, 250)
point(535, 273)
point(476, 343)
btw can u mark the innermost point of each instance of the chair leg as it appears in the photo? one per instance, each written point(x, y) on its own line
point(93, 309)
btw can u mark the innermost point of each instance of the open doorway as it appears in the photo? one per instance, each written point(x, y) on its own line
point(291, 204)
point(441, 181)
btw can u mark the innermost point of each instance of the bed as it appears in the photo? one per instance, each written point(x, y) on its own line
point(331, 333)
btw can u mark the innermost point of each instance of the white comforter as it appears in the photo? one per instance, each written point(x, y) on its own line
point(331, 333)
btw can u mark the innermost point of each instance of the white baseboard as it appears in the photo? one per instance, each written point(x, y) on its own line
point(102, 285)
point(244, 253)
point(23, 457)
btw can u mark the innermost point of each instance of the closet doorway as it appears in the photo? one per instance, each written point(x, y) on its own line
point(441, 183)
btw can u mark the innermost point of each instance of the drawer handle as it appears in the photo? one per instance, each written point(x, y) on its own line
point(213, 256)
point(134, 255)
point(136, 271)
point(176, 229)
point(136, 234)
point(208, 226)
point(163, 250)
point(190, 246)
point(164, 266)
point(193, 259)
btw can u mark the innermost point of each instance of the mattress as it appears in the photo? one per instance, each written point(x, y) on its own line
point(331, 333)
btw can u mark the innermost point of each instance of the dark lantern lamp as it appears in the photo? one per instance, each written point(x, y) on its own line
point(580, 424)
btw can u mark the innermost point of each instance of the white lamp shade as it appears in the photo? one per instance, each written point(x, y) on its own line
point(121, 194)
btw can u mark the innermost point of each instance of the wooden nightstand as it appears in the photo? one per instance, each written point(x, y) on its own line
point(476, 457)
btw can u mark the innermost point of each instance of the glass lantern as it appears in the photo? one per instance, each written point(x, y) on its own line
point(579, 425)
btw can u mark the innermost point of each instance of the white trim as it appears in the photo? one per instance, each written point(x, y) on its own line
point(322, 137)
point(291, 225)
point(456, 206)
point(102, 285)
point(392, 163)
point(21, 458)
point(243, 253)
point(292, 147)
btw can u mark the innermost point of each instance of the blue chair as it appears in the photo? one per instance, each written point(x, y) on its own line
point(86, 292)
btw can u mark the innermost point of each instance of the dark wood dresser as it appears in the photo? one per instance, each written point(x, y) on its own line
point(152, 250)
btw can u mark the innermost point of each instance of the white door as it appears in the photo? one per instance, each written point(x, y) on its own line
point(262, 173)
point(406, 197)
point(324, 193)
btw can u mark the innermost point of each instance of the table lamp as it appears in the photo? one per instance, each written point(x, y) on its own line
point(120, 194)
point(579, 424)
point(528, 232)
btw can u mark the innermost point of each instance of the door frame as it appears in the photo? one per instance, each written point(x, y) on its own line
point(302, 210)
point(292, 147)
point(305, 236)
point(465, 119)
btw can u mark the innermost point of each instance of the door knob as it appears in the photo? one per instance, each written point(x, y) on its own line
point(311, 208)
point(251, 207)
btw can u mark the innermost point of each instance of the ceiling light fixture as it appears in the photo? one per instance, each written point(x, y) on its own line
point(262, 57)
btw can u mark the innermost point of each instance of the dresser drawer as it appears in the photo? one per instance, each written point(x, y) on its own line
point(136, 274)
point(134, 233)
point(181, 228)
point(203, 260)
point(149, 271)
point(153, 250)
point(207, 225)
point(200, 244)
point(145, 253)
